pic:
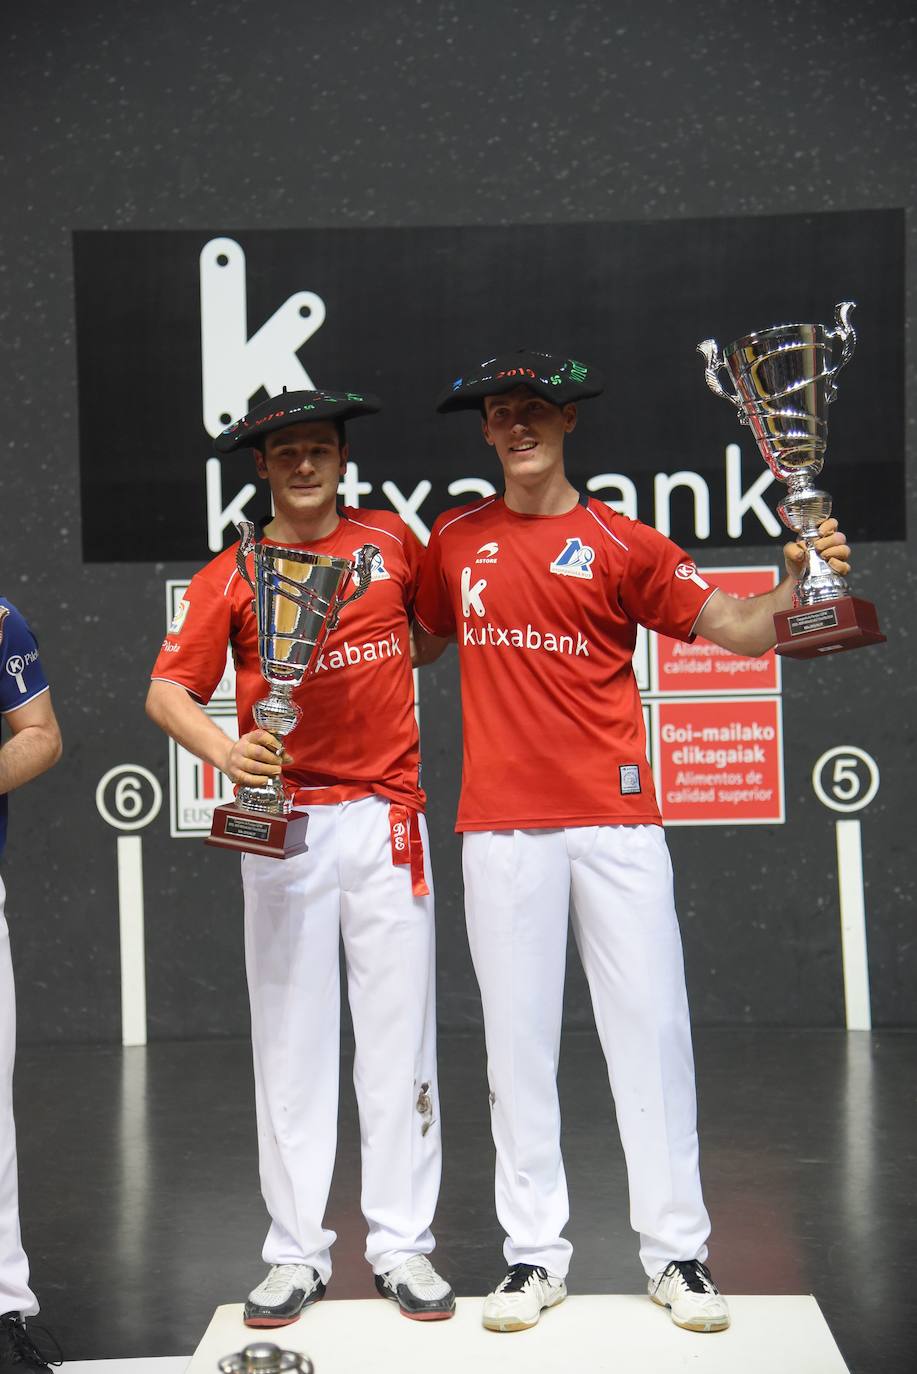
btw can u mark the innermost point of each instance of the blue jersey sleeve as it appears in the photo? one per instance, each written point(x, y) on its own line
point(21, 675)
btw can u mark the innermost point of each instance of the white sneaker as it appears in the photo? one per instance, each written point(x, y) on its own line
point(520, 1299)
point(418, 1290)
point(279, 1299)
point(693, 1299)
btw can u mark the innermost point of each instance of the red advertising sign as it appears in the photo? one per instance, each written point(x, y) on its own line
point(719, 762)
point(705, 667)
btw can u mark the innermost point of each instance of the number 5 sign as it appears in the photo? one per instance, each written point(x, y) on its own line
point(846, 779)
point(129, 797)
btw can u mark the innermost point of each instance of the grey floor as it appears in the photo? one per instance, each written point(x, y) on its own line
point(141, 1211)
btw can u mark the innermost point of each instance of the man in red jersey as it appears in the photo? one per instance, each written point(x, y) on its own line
point(353, 762)
point(544, 589)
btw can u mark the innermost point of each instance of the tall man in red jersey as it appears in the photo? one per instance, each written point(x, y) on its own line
point(354, 764)
point(544, 589)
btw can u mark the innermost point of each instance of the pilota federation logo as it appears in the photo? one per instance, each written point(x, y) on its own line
point(574, 560)
point(178, 619)
point(378, 571)
point(487, 553)
point(687, 572)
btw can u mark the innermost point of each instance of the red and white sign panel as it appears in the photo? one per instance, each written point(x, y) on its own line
point(705, 667)
point(719, 762)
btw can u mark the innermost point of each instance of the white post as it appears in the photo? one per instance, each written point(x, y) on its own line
point(133, 961)
point(853, 925)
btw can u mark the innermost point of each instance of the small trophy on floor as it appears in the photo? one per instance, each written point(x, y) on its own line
point(298, 600)
point(784, 379)
point(264, 1358)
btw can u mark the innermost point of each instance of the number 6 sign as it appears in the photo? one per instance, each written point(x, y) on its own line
point(129, 797)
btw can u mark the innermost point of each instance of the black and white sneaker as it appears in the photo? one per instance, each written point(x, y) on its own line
point(419, 1291)
point(519, 1300)
point(18, 1352)
point(280, 1298)
point(693, 1299)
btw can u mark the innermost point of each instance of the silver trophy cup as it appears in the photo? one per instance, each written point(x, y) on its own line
point(299, 597)
point(784, 379)
point(264, 1358)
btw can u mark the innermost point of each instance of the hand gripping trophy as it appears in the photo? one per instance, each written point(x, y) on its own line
point(298, 601)
point(785, 378)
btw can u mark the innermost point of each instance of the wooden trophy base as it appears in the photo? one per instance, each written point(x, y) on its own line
point(831, 628)
point(276, 837)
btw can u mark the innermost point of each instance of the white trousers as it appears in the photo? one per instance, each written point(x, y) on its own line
point(15, 1293)
point(518, 890)
point(296, 912)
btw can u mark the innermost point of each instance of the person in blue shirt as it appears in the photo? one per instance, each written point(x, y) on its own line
point(30, 743)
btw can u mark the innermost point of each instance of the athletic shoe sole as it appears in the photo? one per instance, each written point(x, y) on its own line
point(702, 1326)
point(441, 1314)
point(426, 1316)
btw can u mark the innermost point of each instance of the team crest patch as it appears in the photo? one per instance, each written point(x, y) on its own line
point(178, 619)
point(378, 570)
point(574, 560)
point(630, 779)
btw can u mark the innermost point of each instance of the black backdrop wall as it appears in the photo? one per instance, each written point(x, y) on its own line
point(233, 120)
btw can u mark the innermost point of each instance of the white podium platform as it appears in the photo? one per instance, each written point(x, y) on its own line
point(585, 1335)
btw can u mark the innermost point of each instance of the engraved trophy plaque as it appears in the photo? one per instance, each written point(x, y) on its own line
point(783, 380)
point(264, 1358)
point(298, 601)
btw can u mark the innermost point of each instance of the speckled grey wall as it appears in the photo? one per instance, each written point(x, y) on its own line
point(188, 115)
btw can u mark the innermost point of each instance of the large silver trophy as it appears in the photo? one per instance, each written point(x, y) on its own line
point(299, 597)
point(783, 380)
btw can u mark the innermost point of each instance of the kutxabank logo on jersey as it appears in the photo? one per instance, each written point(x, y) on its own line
point(528, 637)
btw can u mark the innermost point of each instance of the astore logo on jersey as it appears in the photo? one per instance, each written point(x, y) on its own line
point(687, 572)
point(574, 560)
point(471, 595)
point(487, 553)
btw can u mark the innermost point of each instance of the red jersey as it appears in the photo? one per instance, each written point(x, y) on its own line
point(358, 734)
point(545, 610)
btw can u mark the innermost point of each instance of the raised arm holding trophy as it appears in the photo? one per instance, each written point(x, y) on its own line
point(784, 379)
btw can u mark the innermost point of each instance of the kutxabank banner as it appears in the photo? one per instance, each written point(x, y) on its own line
point(180, 332)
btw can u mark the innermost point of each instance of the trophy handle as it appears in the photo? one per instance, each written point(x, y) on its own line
point(364, 571)
point(846, 333)
point(246, 544)
point(715, 364)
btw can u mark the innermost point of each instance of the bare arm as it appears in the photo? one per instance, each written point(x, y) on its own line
point(426, 648)
point(746, 625)
point(34, 745)
point(248, 760)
